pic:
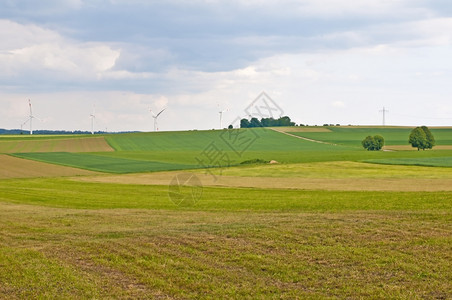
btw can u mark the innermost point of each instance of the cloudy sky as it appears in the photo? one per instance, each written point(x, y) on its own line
point(321, 61)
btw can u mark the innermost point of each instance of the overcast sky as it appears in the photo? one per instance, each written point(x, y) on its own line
point(321, 61)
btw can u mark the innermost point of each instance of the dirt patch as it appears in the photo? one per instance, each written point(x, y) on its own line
point(89, 144)
point(301, 129)
point(13, 167)
point(329, 184)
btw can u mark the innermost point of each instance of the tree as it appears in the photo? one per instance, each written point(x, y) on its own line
point(379, 142)
point(267, 122)
point(421, 138)
point(255, 122)
point(244, 123)
point(285, 121)
point(429, 136)
point(373, 143)
point(230, 127)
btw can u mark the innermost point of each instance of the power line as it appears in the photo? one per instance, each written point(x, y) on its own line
point(384, 111)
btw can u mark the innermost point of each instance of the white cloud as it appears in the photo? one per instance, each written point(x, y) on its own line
point(32, 48)
point(338, 104)
point(358, 55)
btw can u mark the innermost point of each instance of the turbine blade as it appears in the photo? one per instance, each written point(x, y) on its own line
point(160, 112)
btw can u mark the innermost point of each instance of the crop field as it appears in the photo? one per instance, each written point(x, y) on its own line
point(325, 221)
point(53, 144)
point(12, 167)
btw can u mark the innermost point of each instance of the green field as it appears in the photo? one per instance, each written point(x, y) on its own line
point(427, 161)
point(352, 136)
point(103, 163)
point(145, 152)
point(327, 221)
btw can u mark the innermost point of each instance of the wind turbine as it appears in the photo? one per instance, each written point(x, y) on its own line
point(155, 118)
point(93, 116)
point(221, 116)
point(30, 119)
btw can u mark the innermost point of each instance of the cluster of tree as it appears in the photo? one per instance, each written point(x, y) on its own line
point(266, 122)
point(50, 132)
point(373, 143)
point(421, 138)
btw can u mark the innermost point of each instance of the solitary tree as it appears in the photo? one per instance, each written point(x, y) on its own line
point(379, 142)
point(421, 138)
point(429, 136)
point(373, 143)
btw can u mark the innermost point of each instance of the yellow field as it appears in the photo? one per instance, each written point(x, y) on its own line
point(12, 167)
point(89, 144)
point(330, 176)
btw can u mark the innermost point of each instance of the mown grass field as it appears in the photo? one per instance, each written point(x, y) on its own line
point(320, 224)
point(73, 239)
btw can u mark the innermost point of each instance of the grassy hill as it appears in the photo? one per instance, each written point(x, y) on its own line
point(353, 135)
point(160, 151)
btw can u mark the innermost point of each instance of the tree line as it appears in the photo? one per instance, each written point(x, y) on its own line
point(266, 122)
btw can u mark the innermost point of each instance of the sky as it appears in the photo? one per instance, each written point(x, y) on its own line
point(319, 61)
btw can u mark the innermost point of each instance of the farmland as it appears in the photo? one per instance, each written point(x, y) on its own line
point(326, 221)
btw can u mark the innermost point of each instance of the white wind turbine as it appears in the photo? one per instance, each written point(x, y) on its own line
point(93, 116)
point(155, 118)
point(30, 119)
point(221, 116)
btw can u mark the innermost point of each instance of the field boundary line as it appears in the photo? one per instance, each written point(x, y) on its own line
point(303, 138)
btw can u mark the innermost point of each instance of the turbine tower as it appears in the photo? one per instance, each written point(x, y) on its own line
point(221, 116)
point(155, 118)
point(93, 116)
point(30, 119)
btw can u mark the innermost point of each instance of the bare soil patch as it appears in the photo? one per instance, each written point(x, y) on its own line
point(13, 167)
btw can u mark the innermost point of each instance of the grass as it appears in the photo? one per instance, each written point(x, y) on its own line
point(352, 136)
point(340, 169)
point(146, 152)
point(84, 195)
point(150, 161)
point(113, 240)
point(102, 163)
point(78, 238)
point(425, 161)
point(53, 144)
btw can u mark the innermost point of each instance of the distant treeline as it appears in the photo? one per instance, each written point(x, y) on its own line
point(266, 122)
point(52, 132)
